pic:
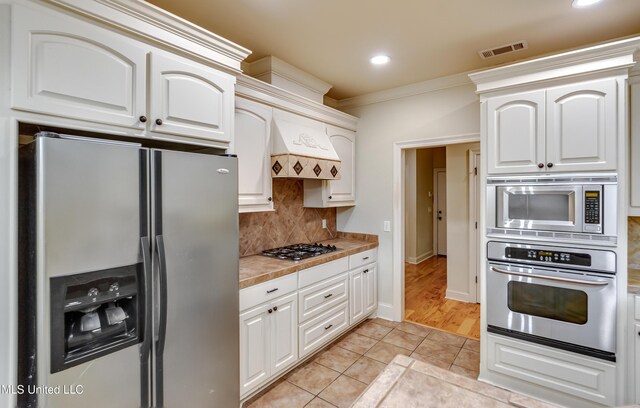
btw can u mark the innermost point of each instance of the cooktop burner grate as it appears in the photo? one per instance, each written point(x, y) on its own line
point(298, 252)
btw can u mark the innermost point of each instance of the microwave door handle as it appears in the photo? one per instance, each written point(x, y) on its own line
point(553, 278)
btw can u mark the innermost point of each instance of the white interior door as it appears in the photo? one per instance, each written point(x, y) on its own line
point(441, 212)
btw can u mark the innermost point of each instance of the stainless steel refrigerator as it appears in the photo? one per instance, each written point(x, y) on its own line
point(128, 276)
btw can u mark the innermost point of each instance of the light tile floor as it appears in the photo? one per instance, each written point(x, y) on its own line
point(339, 374)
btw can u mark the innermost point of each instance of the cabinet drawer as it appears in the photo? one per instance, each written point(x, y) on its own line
point(263, 292)
point(323, 328)
point(319, 273)
point(637, 307)
point(363, 258)
point(322, 296)
point(584, 377)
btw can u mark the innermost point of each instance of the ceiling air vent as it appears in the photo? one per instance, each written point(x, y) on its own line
point(503, 49)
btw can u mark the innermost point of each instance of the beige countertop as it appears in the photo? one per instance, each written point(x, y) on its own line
point(256, 269)
point(634, 280)
point(406, 382)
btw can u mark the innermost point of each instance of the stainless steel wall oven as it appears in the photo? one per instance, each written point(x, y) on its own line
point(557, 296)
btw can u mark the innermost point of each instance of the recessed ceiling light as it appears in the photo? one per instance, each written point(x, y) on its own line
point(380, 59)
point(584, 3)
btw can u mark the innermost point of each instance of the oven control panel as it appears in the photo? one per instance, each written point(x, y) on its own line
point(539, 255)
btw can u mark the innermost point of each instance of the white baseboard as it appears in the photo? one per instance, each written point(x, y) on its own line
point(460, 296)
point(416, 260)
point(385, 311)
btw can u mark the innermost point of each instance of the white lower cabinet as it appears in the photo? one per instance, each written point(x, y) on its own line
point(319, 330)
point(363, 299)
point(583, 377)
point(268, 341)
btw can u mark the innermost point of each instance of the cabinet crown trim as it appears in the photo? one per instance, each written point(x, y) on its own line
point(609, 57)
point(161, 26)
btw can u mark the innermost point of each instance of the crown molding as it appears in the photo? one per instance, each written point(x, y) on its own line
point(274, 65)
point(404, 91)
point(254, 89)
point(153, 23)
point(612, 57)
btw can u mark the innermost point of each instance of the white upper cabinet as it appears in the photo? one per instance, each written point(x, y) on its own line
point(189, 99)
point(581, 126)
point(567, 128)
point(341, 192)
point(516, 132)
point(67, 67)
point(252, 145)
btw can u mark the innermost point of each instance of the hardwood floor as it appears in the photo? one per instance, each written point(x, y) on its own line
point(425, 286)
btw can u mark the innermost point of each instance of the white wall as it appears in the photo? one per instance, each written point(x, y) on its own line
point(445, 112)
point(458, 220)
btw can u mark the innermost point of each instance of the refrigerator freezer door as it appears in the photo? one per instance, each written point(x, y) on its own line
point(89, 211)
point(196, 235)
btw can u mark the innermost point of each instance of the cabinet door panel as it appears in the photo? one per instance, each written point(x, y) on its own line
point(636, 335)
point(70, 68)
point(252, 144)
point(370, 291)
point(515, 127)
point(356, 300)
point(343, 190)
point(284, 332)
point(581, 126)
point(190, 99)
point(254, 352)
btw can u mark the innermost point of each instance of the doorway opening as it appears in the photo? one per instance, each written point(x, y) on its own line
point(439, 253)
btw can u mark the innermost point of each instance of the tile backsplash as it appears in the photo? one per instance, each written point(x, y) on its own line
point(634, 241)
point(290, 223)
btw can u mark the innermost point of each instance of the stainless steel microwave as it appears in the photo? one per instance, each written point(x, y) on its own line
point(577, 205)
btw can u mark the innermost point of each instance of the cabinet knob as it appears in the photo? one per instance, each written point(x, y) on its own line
point(540, 165)
point(275, 308)
point(330, 197)
point(270, 199)
point(270, 310)
point(158, 122)
point(365, 271)
point(549, 165)
point(143, 118)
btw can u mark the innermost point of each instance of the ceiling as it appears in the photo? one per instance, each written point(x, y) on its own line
point(334, 39)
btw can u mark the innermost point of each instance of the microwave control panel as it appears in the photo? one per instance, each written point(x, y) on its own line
point(559, 257)
point(592, 210)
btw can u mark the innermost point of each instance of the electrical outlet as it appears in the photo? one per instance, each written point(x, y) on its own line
point(324, 224)
point(387, 226)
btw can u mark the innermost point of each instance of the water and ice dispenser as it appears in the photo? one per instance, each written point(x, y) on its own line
point(93, 314)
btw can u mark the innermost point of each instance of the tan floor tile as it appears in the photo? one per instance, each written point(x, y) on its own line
point(473, 345)
point(403, 339)
point(319, 403)
point(464, 371)
point(442, 351)
point(432, 360)
point(284, 395)
point(468, 359)
point(357, 343)
point(373, 330)
point(337, 358)
point(385, 352)
point(413, 328)
point(446, 338)
point(365, 370)
point(343, 391)
point(313, 377)
point(384, 322)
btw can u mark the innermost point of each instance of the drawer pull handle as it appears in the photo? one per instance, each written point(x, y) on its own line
point(328, 296)
point(365, 271)
point(328, 327)
point(272, 290)
point(365, 258)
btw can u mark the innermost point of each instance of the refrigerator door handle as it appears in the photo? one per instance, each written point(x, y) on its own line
point(145, 347)
point(162, 324)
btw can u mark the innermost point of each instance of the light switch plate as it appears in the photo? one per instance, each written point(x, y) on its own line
point(324, 224)
point(387, 226)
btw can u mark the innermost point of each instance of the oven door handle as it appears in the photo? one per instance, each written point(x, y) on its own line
point(553, 278)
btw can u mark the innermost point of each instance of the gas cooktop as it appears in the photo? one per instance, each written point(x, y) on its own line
point(298, 252)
